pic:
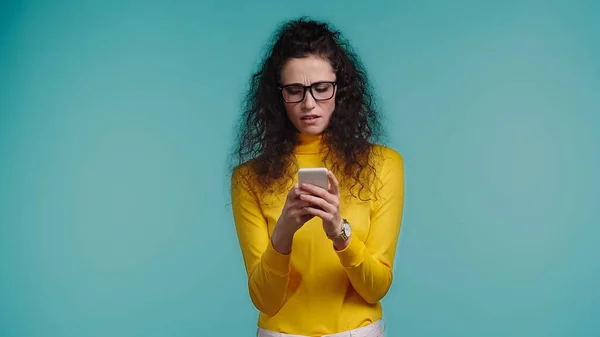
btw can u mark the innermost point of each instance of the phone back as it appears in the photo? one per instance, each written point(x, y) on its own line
point(314, 176)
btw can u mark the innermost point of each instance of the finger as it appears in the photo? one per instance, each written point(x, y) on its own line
point(299, 204)
point(320, 192)
point(302, 211)
point(319, 213)
point(334, 187)
point(319, 202)
point(295, 192)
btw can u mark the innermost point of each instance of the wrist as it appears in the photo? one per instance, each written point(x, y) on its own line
point(332, 233)
point(341, 244)
point(282, 240)
point(342, 238)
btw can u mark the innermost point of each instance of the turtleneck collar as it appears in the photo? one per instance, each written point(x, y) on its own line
point(309, 144)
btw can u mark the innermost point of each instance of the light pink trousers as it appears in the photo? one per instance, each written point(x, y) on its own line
point(375, 329)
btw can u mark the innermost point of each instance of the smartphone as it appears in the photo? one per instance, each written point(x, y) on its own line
point(314, 176)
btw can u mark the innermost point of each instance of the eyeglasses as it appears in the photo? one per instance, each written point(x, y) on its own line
point(320, 91)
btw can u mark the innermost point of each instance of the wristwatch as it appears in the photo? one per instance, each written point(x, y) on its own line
point(344, 234)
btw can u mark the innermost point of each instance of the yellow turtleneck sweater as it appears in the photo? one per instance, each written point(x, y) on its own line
point(316, 290)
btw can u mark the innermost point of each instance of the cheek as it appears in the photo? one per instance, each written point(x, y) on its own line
point(328, 108)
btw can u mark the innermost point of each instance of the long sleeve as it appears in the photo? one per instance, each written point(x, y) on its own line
point(267, 269)
point(369, 264)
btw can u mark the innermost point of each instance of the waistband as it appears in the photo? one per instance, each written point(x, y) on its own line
point(375, 329)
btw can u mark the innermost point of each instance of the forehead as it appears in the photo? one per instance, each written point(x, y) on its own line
point(306, 70)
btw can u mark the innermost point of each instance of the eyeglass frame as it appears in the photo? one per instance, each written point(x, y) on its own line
point(306, 87)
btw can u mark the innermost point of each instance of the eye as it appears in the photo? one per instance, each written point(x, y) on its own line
point(294, 90)
point(323, 87)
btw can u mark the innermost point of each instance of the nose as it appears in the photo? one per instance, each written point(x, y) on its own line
point(309, 102)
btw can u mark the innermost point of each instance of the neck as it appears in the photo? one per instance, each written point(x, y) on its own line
point(309, 144)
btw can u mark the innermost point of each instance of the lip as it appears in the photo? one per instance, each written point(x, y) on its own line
point(310, 119)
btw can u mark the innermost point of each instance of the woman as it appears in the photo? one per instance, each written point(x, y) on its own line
point(318, 261)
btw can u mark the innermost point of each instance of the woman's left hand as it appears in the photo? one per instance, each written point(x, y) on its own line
point(325, 204)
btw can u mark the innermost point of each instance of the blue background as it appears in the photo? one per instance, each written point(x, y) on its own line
point(116, 118)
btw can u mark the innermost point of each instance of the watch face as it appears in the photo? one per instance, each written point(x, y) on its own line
point(347, 229)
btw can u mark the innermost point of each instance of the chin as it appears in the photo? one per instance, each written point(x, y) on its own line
point(311, 131)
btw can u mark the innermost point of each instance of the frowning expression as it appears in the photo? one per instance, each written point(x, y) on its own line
point(308, 90)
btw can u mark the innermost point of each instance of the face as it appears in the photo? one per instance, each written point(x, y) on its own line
point(311, 114)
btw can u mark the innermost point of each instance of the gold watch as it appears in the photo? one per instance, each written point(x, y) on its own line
point(344, 234)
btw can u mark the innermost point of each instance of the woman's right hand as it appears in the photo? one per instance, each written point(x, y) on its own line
point(293, 217)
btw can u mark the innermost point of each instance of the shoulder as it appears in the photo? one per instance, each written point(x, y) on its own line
point(389, 164)
point(241, 177)
point(387, 158)
point(243, 172)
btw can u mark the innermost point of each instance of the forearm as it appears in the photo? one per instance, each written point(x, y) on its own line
point(282, 240)
point(268, 283)
point(369, 276)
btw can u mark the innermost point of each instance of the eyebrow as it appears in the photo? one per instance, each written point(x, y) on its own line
point(302, 84)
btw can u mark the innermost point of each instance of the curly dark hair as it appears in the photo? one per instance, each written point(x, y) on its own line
point(267, 137)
